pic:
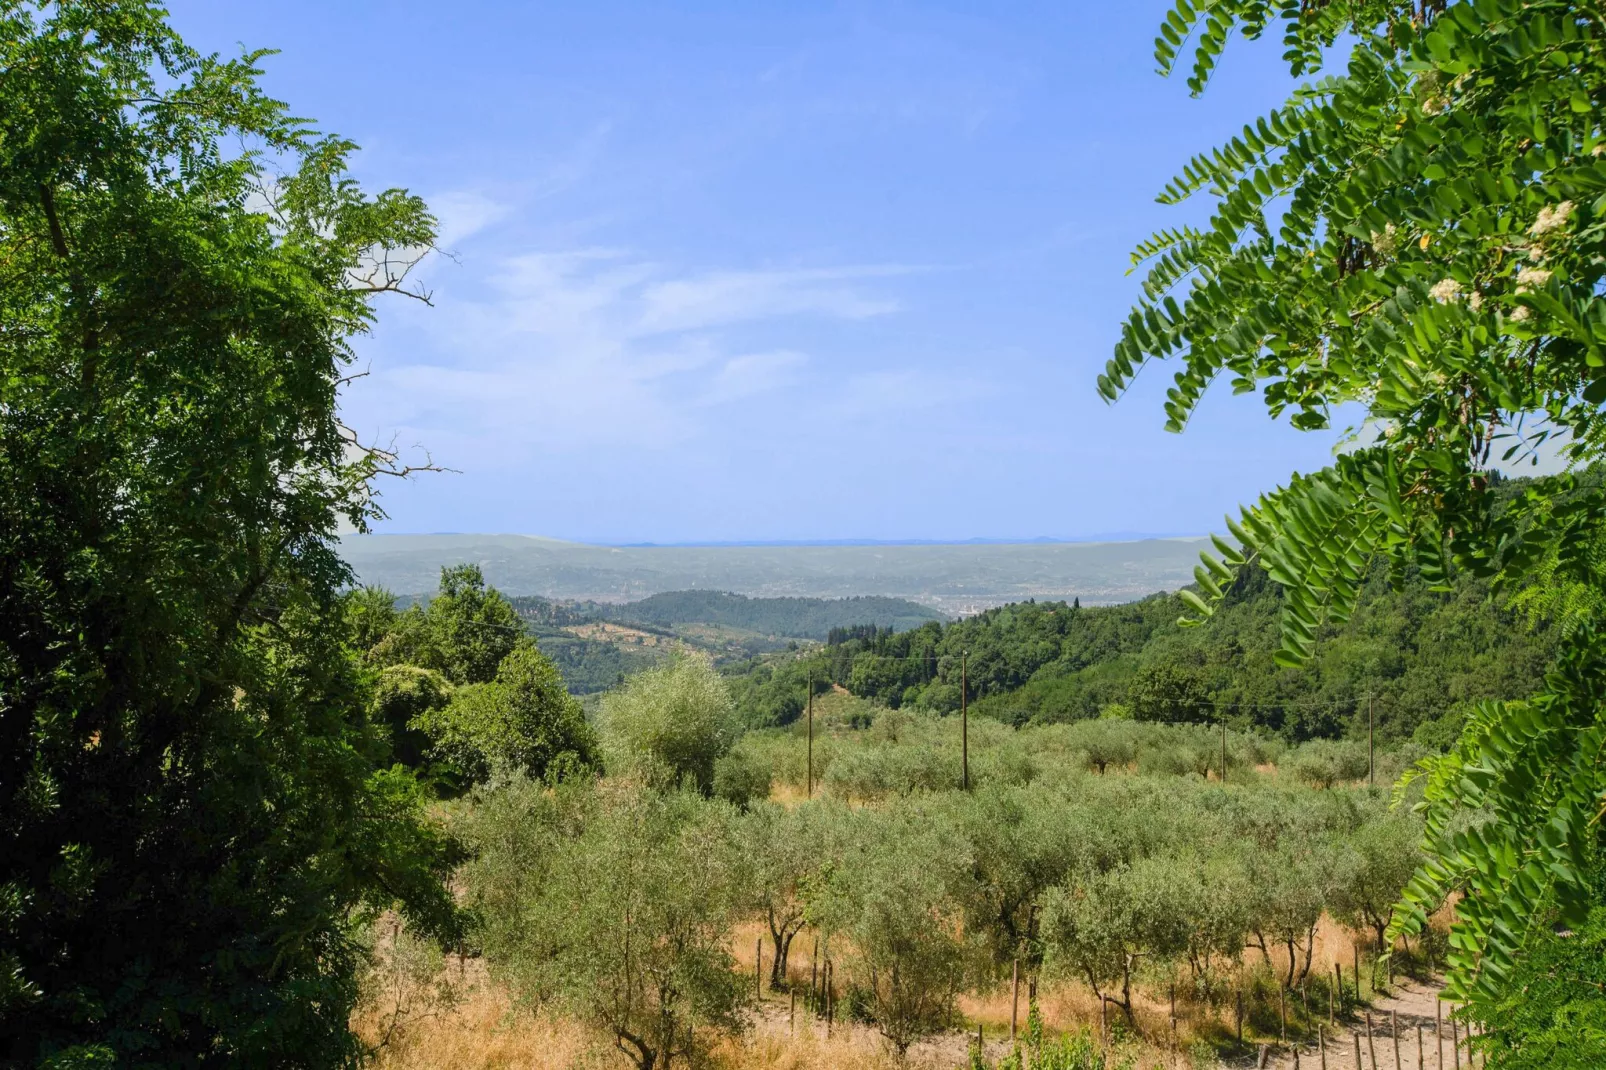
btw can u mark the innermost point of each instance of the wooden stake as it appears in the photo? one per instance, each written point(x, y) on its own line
point(1356, 949)
point(1394, 1028)
point(758, 968)
point(1371, 1045)
point(1358, 1064)
point(1240, 1016)
point(1338, 982)
point(1421, 1060)
point(791, 1010)
point(1014, 1003)
point(830, 998)
point(1438, 1030)
point(1321, 1045)
point(1224, 747)
point(1331, 1018)
point(1282, 1014)
point(1455, 1042)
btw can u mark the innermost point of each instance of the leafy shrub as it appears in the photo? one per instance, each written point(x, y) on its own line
point(1322, 763)
point(742, 776)
point(523, 718)
point(403, 696)
point(670, 724)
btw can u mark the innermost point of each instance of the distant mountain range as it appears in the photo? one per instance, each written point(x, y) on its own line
point(955, 578)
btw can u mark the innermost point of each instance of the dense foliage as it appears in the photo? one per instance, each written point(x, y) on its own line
point(796, 618)
point(1420, 235)
point(463, 691)
point(194, 810)
point(1422, 659)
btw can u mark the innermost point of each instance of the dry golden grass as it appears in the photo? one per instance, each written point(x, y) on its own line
point(484, 1031)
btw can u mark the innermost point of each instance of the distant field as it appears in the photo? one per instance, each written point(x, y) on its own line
point(961, 578)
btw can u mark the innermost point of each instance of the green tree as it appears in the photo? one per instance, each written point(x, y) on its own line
point(464, 631)
point(1418, 235)
point(192, 827)
point(890, 900)
point(613, 902)
point(1098, 926)
point(670, 724)
point(1384, 854)
point(786, 849)
point(405, 697)
point(523, 718)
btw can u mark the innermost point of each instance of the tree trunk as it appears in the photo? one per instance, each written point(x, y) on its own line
point(1126, 991)
point(644, 1057)
point(1292, 956)
point(1310, 950)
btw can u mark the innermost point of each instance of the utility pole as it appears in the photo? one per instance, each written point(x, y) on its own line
point(1371, 744)
point(964, 726)
point(811, 734)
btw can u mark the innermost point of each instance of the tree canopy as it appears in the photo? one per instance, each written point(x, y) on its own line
point(1418, 234)
point(193, 815)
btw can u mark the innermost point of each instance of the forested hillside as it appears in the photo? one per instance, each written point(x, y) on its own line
point(1420, 657)
point(797, 618)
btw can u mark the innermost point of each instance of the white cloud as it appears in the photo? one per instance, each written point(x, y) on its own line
point(728, 297)
point(593, 348)
point(462, 214)
point(753, 373)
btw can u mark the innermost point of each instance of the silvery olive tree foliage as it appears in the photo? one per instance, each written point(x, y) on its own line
point(1417, 233)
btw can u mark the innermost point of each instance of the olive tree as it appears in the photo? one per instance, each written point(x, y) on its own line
point(670, 724)
point(890, 899)
point(1019, 844)
point(1383, 854)
point(785, 848)
point(613, 902)
point(1099, 925)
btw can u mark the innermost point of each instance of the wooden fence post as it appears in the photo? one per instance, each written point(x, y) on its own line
point(1338, 982)
point(1240, 995)
point(758, 968)
point(1455, 1042)
point(1438, 1029)
point(1356, 949)
point(1321, 1045)
point(1358, 1064)
point(1014, 1003)
point(1421, 1059)
point(1371, 1045)
point(1394, 1028)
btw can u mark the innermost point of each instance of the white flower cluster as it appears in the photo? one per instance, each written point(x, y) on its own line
point(1530, 277)
point(1385, 243)
point(1551, 217)
point(1445, 290)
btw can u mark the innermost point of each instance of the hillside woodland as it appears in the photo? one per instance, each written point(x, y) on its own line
point(1414, 660)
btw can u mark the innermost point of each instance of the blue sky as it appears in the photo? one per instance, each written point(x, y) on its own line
point(753, 271)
